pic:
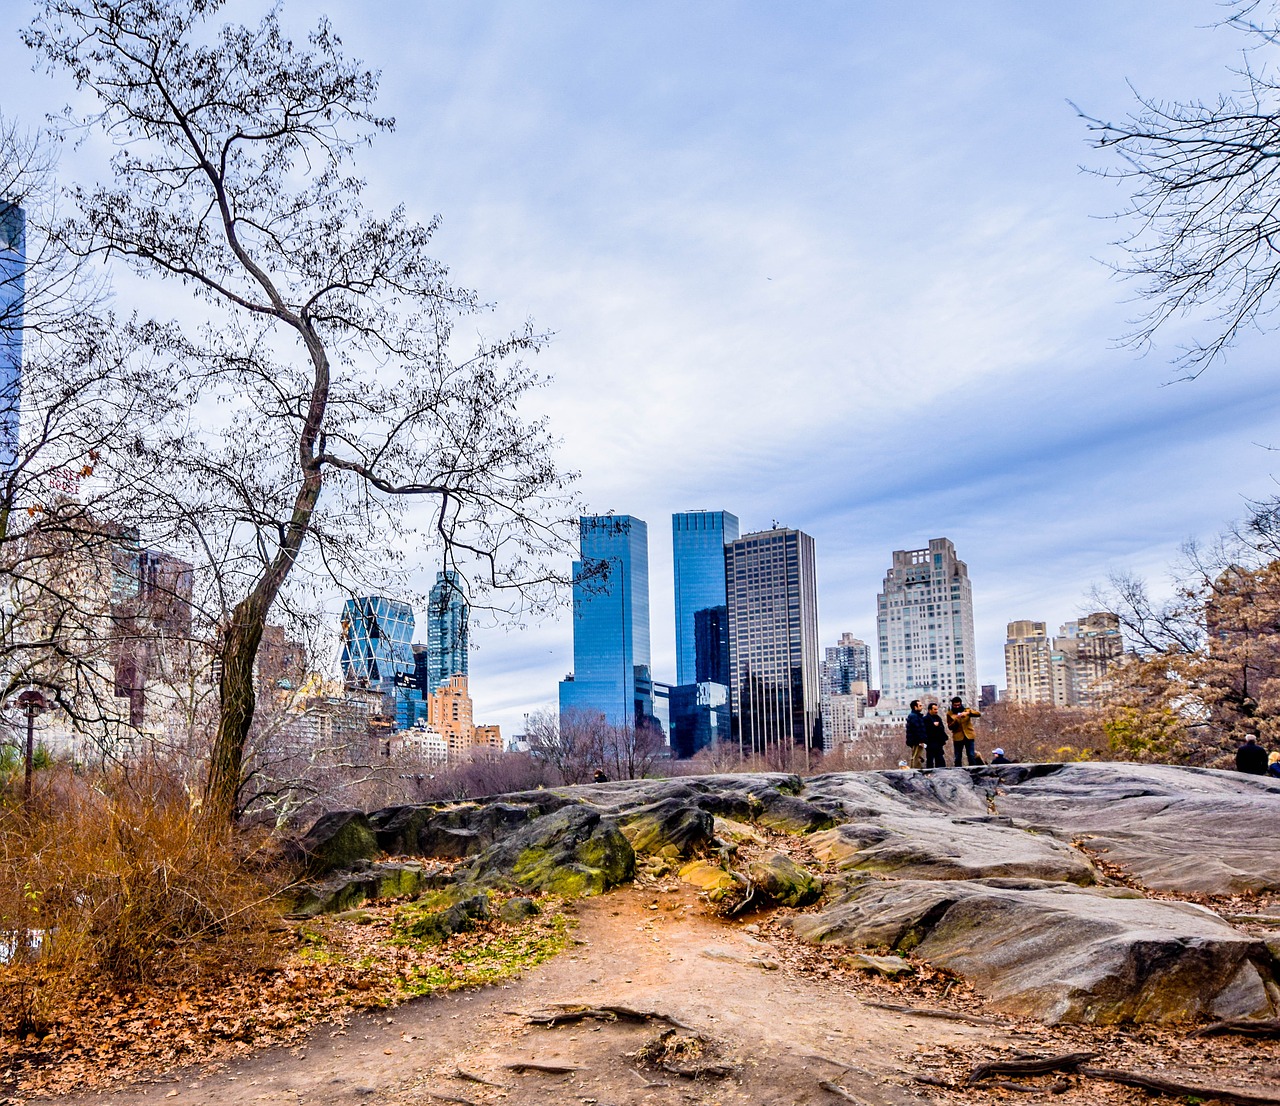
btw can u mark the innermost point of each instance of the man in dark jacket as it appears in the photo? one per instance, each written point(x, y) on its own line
point(915, 734)
point(935, 739)
point(1251, 757)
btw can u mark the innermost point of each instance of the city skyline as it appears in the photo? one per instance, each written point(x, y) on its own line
point(839, 270)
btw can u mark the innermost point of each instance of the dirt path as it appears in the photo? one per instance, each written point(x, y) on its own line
point(783, 1032)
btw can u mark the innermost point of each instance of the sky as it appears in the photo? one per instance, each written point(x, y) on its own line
point(838, 265)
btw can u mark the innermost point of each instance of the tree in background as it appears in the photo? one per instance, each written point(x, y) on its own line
point(1205, 671)
point(326, 345)
point(1205, 213)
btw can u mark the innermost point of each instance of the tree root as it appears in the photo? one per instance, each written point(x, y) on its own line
point(1035, 1065)
point(837, 1090)
point(934, 1012)
point(1183, 1090)
point(701, 1071)
point(458, 1073)
point(568, 1013)
point(1245, 1027)
point(546, 1069)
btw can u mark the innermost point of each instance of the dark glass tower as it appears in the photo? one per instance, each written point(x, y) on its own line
point(377, 654)
point(12, 281)
point(447, 634)
point(773, 640)
point(698, 539)
point(611, 674)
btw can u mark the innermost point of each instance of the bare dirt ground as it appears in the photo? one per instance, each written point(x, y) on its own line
point(766, 1019)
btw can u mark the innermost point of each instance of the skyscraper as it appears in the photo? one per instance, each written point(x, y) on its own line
point(447, 633)
point(377, 654)
point(12, 286)
point(1027, 668)
point(845, 680)
point(924, 621)
point(611, 674)
point(773, 640)
point(698, 539)
point(1081, 656)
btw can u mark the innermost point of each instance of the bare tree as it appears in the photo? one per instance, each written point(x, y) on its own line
point(330, 331)
point(70, 397)
point(1205, 214)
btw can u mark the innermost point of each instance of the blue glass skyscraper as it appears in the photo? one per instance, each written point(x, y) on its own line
point(447, 635)
point(611, 674)
point(12, 286)
point(377, 654)
point(698, 539)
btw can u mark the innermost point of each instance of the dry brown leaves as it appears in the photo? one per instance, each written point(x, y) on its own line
point(326, 969)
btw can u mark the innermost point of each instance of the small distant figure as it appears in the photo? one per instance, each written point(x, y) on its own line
point(1273, 765)
point(960, 723)
point(1251, 757)
point(916, 734)
point(935, 739)
point(902, 764)
point(599, 777)
point(998, 757)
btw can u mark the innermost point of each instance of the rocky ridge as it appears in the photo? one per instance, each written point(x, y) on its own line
point(1052, 888)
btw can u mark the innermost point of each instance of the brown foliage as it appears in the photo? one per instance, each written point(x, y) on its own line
point(115, 877)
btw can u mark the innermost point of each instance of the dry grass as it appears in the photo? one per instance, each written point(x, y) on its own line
point(116, 877)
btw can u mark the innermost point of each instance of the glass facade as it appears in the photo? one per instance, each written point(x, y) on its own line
point(377, 654)
point(12, 283)
point(611, 667)
point(698, 539)
point(773, 640)
point(700, 717)
point(447, 619)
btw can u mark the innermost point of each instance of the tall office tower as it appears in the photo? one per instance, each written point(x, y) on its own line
point(924, 621)
point(611, 674)
point(773, 640)
point(1081, 656)
point(698, 539)
point(12, 283)
point(447, 633)
point(845, 674)
point(1028, 670)
point(377, 654)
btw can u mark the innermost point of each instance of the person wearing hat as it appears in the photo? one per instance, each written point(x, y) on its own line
point(960, 723)
point(998, 757)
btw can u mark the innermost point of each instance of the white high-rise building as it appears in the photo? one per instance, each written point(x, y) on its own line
point(924, 621)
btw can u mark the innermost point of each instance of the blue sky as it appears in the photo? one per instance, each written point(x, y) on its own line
point(833, 264)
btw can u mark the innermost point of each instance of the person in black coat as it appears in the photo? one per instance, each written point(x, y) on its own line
point(1251, 757)
point(915, 734)
point(935, 738)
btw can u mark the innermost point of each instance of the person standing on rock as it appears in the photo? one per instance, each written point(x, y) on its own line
point(916, 735)
point(1251, 757)
point(935, 739)
point(960, 723)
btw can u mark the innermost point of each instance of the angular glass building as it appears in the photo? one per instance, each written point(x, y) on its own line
point(12, 284)
point(377, 654)
point(447, 619)
point(611, 667)
point(773, 641)
point(698, 539)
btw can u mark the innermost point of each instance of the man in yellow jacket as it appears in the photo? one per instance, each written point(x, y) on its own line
point(960, 723)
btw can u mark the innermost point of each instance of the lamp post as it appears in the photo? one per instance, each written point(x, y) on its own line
point(32, 704)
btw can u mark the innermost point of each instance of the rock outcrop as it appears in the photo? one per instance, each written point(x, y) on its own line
point(987, 872)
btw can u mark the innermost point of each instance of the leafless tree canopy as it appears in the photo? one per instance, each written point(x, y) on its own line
point(328, 346)
point(1203, 233)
